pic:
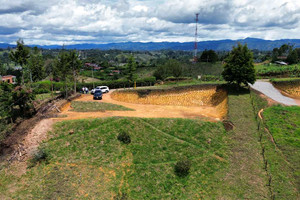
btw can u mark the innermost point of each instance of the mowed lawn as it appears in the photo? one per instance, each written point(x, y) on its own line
point(84, 160)
point(284, 125)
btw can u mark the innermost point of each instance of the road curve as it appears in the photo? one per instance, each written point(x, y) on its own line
point(270, 91)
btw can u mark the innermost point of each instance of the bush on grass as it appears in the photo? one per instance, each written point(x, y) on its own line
point(124, 137)
point(40, 156)
point(182, 167)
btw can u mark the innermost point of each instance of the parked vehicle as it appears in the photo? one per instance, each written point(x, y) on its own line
point(98, 94)
point(104, 89)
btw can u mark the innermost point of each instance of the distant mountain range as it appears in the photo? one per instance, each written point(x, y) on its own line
point(219, 45)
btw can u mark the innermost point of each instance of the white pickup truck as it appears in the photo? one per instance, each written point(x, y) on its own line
point(104, 89)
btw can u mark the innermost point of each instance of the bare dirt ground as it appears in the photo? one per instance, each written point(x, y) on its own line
point(30, 143)
point(142, 110)
point(24, 141)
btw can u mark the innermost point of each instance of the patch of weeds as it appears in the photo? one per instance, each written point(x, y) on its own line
point(182, 167)
point(143, 93)
point(122, 196)
point(228, 125)
point(40, 156)
point(124, 137)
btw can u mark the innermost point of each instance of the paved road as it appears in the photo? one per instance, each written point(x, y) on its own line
point(269, 90)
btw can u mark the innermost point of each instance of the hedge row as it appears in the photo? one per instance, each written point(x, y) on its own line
point(45, 86)
point(292, 81)
point(211, 78)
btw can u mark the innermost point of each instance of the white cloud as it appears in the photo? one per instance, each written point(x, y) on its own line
point(93, 21)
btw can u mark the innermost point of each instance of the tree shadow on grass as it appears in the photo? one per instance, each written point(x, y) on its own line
point(236, 90)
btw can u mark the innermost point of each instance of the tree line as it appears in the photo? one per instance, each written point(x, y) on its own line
point(286, 52)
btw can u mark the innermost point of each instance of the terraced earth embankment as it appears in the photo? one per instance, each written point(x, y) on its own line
point(209, 102)
point(289, 87)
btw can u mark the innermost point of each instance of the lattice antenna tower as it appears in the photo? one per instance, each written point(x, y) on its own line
point(196, 37)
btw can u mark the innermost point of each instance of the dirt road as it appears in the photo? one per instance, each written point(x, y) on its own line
point(142, 110)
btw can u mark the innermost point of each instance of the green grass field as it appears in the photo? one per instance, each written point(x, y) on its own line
point(281, 179)
point(284, 125)
point(246, 178)
point(83, 106)
point(92, 163)
point(278, 70)
point(84, 160)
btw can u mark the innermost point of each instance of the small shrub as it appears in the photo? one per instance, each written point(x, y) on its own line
point(41, 91)
point(124, 137)
point(228, 125)
point(143, 93)
point(182, 167)
point(122, 196)
point(40, 156)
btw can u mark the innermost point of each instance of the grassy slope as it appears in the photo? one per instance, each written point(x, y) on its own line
point(284, 125)
point(246, 178)
point(91, 163)
point(83, 106)
point(280, 174)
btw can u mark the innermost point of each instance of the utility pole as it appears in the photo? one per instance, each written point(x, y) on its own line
point(196, 42)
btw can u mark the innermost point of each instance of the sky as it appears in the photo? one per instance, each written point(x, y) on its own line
point(106, 21)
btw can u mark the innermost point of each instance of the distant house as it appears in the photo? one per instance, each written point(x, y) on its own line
point(282, 57)
point(93, 66)
point(116, 71)
point(113, 72)
point(9, 79)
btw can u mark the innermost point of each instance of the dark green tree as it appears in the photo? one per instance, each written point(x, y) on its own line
point(131, 69)
point(36, 65)
point(170, 68)
point(74, 64)
point(2, 69)
point(20, 56)
point(275, 54)
point(23, 98)
point(5, 107)
point(292, 58)
point(175, 67)
point(298, 53)
point(209, 56)
point(239, 67)
point(161, 72)
point(63, 70)
point(5, 100)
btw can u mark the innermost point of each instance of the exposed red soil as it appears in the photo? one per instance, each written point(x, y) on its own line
point(141, 110)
